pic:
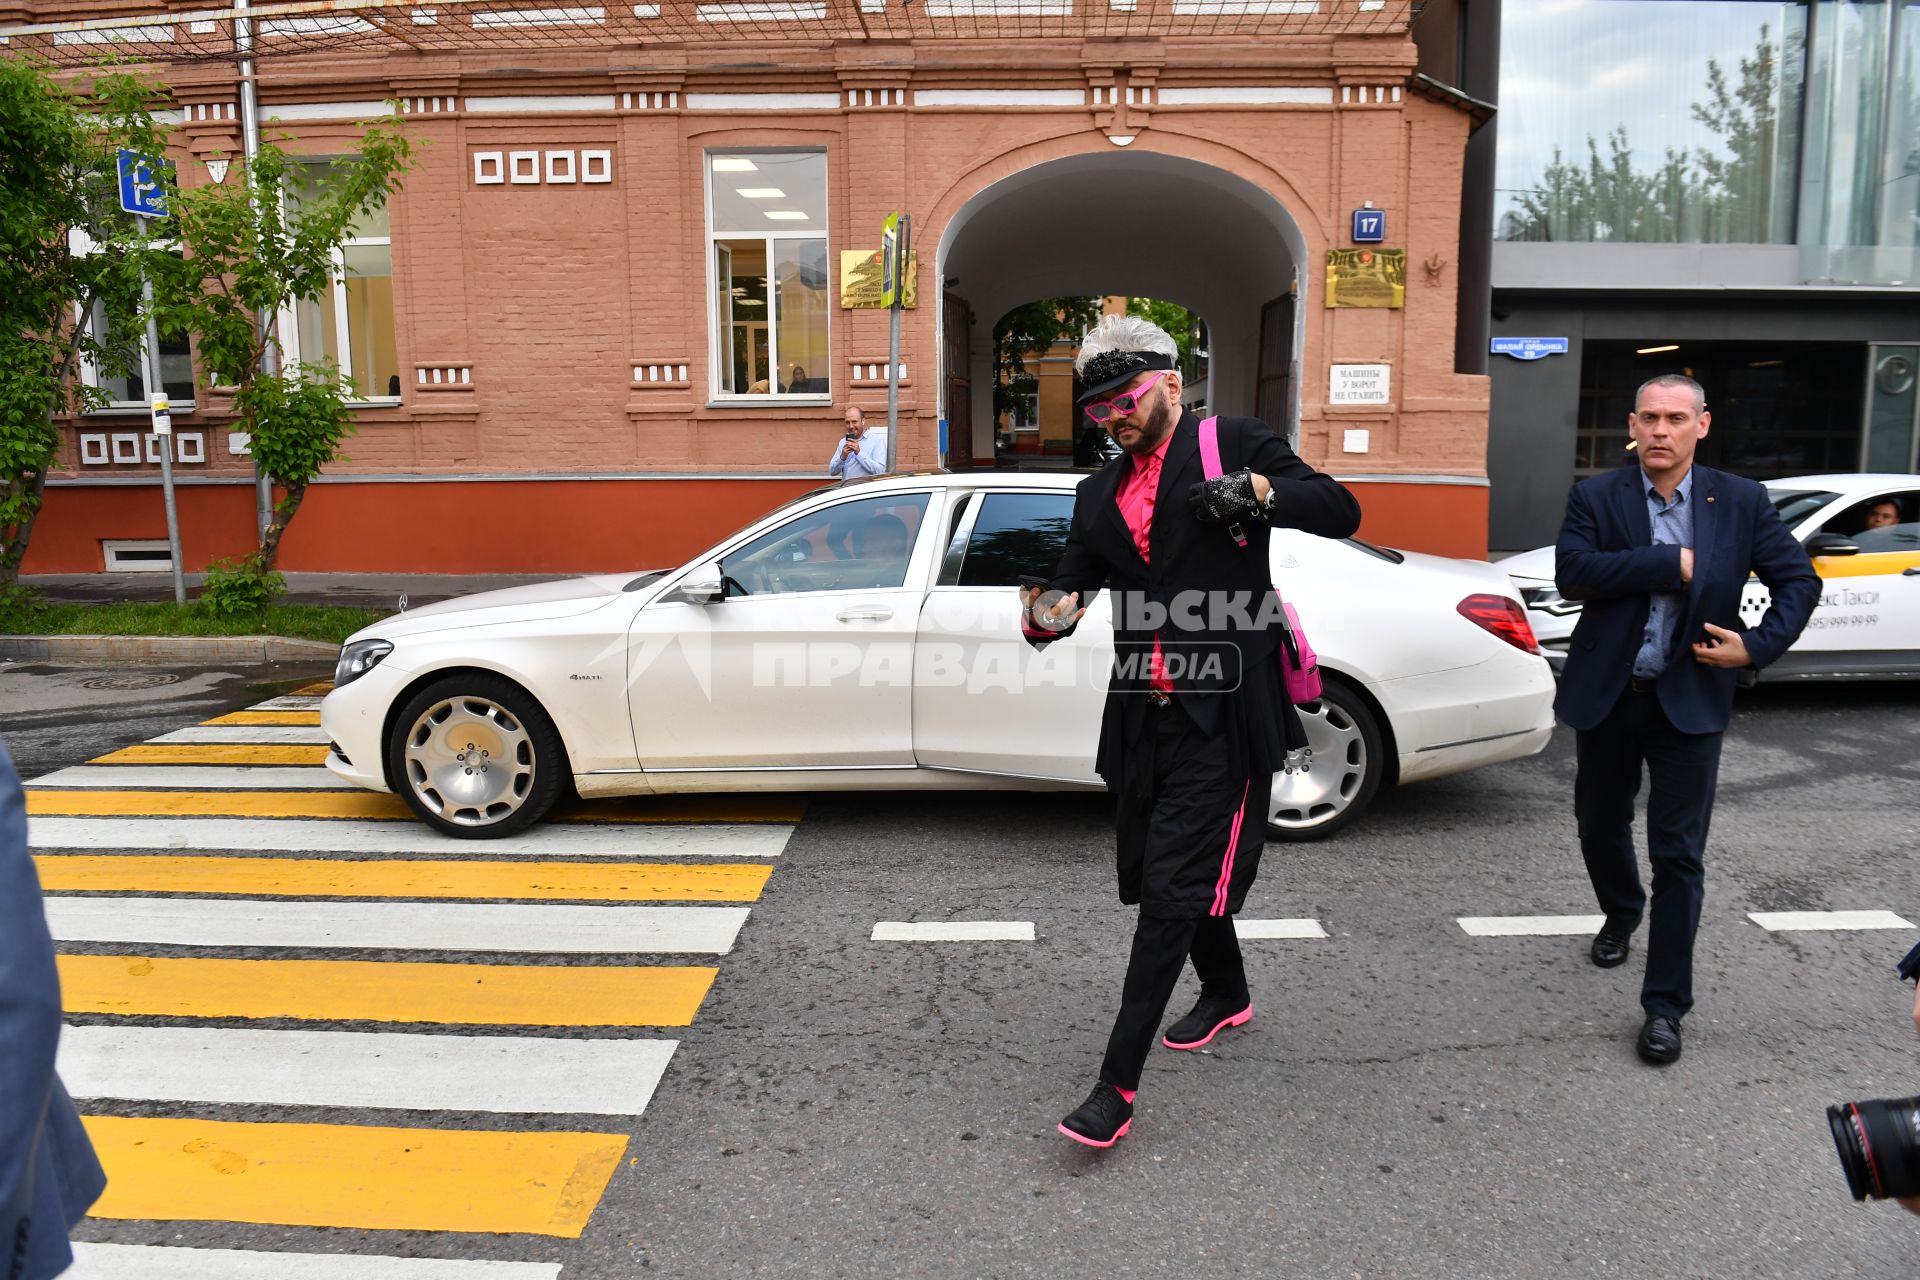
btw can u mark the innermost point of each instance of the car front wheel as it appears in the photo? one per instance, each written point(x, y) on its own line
point(1340, 773)
point(476, 757)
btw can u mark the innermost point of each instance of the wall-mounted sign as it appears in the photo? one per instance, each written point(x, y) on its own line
point(1359, 383)
point(1529, 348)
point(1366, 277)
point(860, 279)
point(1369, 226)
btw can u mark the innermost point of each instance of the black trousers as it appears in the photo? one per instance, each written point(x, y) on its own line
point(1188, 846)
point(1682, 771)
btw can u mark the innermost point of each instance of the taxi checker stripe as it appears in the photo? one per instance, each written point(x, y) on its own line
point(166, 1262)
point(386, 991)
point(295, 835)
point(376, 805)
point(383, 1069)
point(335, 878)
point(398, 926)
point(169, 1170)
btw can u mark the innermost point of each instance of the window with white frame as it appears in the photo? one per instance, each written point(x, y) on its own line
point(767, 228)
point(127, 391)
point(351, 322)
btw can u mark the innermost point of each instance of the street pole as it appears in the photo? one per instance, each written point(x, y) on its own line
point(250, 146)
point(903, 257)
point(162, 423)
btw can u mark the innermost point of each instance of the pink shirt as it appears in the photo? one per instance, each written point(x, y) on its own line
point(1135, 499)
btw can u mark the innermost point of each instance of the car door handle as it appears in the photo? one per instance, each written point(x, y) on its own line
point(870, 614)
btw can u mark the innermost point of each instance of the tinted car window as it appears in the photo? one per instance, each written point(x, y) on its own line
point(851, 546)
point(1016, 533)
point(1795, 505)
point(1867, 515)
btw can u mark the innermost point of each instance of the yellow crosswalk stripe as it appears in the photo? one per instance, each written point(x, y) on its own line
point(373, 804)
point(214, 753)
point(352, 1176)
point(318, 689)
point(266, 717)
point(410, 878)
point(380, 991)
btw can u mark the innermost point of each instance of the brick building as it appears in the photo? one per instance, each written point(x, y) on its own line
point(602, 324)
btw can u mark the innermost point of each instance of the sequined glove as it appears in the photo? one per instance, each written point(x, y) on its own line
point(1226, 499)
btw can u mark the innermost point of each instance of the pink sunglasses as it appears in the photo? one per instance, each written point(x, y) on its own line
point(1124, 403)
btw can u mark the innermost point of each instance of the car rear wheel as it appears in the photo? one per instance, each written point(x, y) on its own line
point(476, 757)
point(1340, 774)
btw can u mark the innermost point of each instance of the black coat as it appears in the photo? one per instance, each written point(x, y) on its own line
point(1239, 695)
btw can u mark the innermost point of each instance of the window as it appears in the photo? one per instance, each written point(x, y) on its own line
point(357, 303)
point(767, 223)
point(1867, 523)
point(851, 546)
point(1671, 121)
point(128, 391)
point(1016, 533)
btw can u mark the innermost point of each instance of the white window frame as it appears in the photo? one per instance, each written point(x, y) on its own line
point(82, 245)
point(112, 549)
point(717, 341)
point(288, 326)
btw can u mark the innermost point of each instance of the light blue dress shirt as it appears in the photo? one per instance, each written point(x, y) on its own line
point(870, 461)
point(1672, 527)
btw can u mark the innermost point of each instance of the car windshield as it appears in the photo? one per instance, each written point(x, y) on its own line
point(1795, 505)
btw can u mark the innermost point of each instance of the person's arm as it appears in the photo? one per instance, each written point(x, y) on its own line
point(1782, 564)
point(871, 460)
point(1584, 572)
point(1079, 572)
point(29, 1011)
point(1302, 498)
point(837, 464)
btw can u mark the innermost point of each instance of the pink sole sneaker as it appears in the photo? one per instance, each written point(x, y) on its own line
point(1085, 1141)
point(1239, 1019)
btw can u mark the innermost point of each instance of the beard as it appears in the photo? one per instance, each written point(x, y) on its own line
point(1158, 425)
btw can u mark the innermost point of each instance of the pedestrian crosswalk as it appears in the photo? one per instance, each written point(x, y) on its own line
point(213, 877)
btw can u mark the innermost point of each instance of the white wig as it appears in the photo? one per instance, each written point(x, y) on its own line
point(1123, 333)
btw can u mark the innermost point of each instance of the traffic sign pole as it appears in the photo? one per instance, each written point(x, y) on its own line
point(162, 426)
point(894, 265)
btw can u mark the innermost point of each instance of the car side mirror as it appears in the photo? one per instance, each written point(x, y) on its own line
point(702, 586)
point(1832, 544)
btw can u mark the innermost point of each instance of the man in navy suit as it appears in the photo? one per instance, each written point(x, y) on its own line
point(48, 1173)
point(1197, 718)
point(1659, 553)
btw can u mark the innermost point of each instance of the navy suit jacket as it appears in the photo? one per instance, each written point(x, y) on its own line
point(1607, 559)
point(48, 1173)
point(1910, 967)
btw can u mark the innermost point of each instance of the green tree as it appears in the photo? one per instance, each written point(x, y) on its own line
point(1032, 329)
point(58, 194)
point(1182, 324)
point(255, 247)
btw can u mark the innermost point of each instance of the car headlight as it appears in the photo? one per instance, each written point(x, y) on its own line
point(359, 658)
point(1549, 600)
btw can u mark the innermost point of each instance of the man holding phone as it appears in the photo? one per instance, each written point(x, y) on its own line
point(1660, 552)
point(1197, 718)
point(859, 452)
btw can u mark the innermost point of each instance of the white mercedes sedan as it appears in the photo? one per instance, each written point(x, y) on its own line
point(1862, 532)
point(867, 636)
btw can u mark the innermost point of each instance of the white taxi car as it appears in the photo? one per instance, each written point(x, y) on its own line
point(866, 636)
point(1867, 624)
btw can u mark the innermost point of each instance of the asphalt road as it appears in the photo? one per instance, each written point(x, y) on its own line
point(1409, 1101)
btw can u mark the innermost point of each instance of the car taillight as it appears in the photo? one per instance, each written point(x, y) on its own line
point(1503, 617)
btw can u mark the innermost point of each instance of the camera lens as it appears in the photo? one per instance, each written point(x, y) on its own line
point(1879, 1144)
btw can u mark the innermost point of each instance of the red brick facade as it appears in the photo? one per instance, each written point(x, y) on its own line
point(550, 332)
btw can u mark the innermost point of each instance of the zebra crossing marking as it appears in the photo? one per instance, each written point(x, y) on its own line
point(216, 753)
point(379, 805)
point(1529, 926)
point(168, 1262)
point(1787, 921)
point(296, 835)
point(953, 931)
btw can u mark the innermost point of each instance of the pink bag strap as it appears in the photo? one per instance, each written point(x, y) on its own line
point(1210, 463)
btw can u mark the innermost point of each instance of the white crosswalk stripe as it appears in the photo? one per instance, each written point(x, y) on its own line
point(266, 734)
point(1261, 930)
point(1529, 926)
point(161, 1262)
point(400, 926)
point(312, 835)
point(192, 777)
point(364, 1069)
point(1785, 921)
point(953, 931)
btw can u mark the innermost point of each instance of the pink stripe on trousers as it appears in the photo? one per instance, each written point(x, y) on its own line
point(1226, 866)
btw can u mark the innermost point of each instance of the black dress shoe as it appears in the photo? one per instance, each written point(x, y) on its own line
point(1609, 948)
point(1659, 1041)
point(1211, 1016)
point(1102, 1120)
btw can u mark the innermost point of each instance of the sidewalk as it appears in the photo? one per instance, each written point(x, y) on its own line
point(359, 590)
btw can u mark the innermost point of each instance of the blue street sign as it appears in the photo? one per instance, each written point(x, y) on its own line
point(1529, 348)
point(1369, 226)
point(141, 189)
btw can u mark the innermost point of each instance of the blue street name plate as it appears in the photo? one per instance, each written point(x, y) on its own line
point(141, 191)
point(1529, 348)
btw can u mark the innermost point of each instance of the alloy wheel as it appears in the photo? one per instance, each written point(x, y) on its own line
point(470, 760)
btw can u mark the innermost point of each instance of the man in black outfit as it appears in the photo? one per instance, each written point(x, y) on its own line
point(1197, 718)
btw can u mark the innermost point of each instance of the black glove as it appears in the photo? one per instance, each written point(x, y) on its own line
point(1226, 499)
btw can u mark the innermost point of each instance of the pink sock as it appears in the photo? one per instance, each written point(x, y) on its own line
point(1125, 1093)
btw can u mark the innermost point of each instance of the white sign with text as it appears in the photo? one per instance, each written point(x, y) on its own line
point(1358, 383)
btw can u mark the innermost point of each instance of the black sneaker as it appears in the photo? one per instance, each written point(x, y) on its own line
point(1102, 1120)
point(1210, 1017)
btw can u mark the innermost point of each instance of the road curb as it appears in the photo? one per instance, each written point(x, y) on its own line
point(79, 650)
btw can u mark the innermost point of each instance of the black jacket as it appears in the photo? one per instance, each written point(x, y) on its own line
point(1223, 585)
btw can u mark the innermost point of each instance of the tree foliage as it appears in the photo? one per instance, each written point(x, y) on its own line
point(65, 249)
point(1032, 329)
point(1183, 325)
point(255, 247)
point(1721, 195)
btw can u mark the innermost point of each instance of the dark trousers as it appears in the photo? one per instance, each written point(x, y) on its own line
point(1682, 770)
point(1189, 845)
